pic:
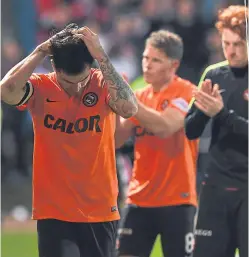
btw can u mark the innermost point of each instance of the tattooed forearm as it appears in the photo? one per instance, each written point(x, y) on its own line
point(123, 101)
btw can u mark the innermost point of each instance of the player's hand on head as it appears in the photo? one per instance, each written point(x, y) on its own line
point(92, 42)
point(45, 47)
point(210, 104)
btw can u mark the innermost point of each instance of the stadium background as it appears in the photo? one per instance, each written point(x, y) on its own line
point(122, 26)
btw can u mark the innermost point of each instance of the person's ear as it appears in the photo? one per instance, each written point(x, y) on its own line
point(53, 65)
point(175, 64)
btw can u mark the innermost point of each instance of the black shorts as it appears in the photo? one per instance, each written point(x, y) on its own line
point(70, 239)
point(222, 224)
point(141, 226)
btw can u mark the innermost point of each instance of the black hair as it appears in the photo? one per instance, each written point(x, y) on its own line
point(69, 53)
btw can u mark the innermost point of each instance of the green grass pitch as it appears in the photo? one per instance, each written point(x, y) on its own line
point(25, 245)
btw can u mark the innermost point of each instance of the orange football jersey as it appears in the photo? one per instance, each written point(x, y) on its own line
point(74, 169)
point(164, 169)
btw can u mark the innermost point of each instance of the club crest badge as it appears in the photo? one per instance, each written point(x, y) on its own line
point(90, 99)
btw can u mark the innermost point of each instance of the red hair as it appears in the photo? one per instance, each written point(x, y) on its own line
point(234, 18)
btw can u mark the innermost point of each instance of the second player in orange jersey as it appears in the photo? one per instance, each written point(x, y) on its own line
point(162, 192)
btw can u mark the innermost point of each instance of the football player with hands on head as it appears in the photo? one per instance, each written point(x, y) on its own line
point(74, 109)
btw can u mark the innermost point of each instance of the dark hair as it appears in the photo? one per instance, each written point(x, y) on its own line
point(170, 43)
point(69, 52)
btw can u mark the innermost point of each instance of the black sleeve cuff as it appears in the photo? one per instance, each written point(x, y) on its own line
point(195, 124)
point(223, 116)
point(202, 115)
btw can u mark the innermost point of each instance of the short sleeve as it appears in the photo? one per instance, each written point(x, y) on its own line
point(28, 101)
point(181, 102)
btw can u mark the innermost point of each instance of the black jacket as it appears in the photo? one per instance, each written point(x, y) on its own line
point(228, 152)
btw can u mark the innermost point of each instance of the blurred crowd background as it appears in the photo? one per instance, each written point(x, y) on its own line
point(122, 26)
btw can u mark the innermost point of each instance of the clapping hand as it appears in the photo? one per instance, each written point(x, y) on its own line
point(208, 99)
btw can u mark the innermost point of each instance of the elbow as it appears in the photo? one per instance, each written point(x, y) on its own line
point(4, 87)
point(125, 109)
point(126, 115)
point(6, 91)
point(7, 86)
point(131, 109)
point(129, 112)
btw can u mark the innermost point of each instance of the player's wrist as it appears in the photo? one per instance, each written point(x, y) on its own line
point(39, 51)
point(44, 49)
point(101, 56)
point(222, 115)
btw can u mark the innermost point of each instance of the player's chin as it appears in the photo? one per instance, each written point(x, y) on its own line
point(148, 79)
point(235, 63)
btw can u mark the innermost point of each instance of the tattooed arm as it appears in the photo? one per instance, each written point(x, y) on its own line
point(122, 99)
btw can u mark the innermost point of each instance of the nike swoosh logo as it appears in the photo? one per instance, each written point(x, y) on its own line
point(50, 101)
